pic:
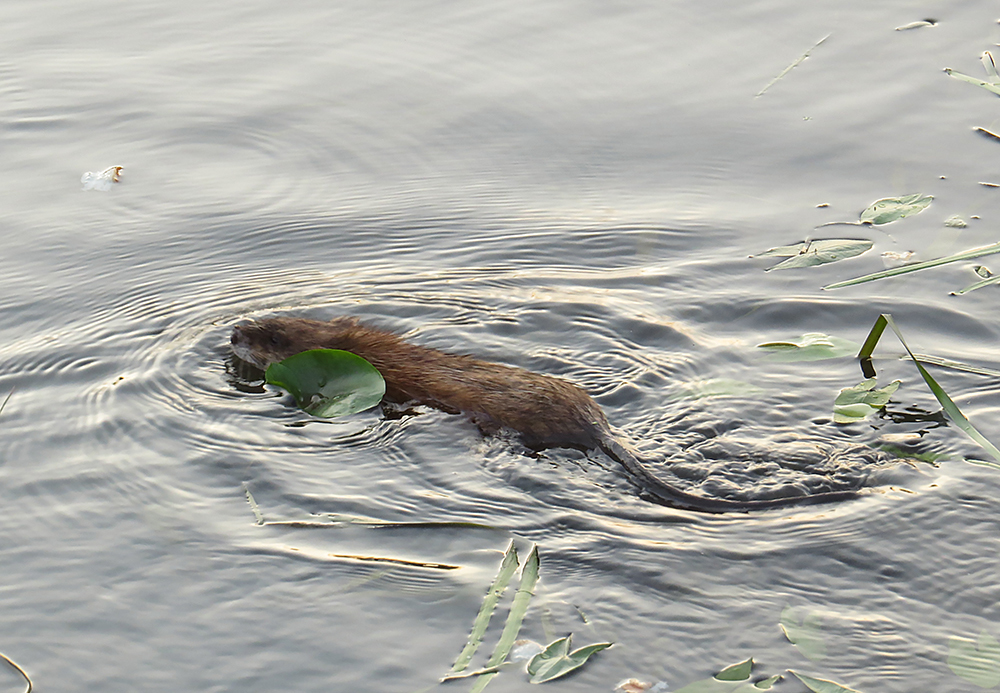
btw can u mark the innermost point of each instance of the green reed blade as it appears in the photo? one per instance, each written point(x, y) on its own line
point(949, 406)
point(525, 591)
point(507, 568)
point(916, 267)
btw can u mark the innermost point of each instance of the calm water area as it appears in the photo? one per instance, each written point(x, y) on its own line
point(575, 188)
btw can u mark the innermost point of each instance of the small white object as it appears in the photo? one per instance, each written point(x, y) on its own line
point(524, 650)
point(637, 686)
point(101, 181)
point(891, 258)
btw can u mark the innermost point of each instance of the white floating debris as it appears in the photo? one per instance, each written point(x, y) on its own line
point(101, 181)
point(891, 258)
point(955, 222)
point(637, 686)
point(524, 650)
point(901, 438)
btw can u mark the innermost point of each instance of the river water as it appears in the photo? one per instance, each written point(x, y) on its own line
point(570, 187)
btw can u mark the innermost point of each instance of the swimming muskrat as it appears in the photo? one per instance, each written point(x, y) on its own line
point(543, 410)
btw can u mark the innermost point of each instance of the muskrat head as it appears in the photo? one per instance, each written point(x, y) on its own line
point(263, 342)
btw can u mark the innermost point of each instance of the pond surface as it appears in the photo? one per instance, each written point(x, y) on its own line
point(572, 188)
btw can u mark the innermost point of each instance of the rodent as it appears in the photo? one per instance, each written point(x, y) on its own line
point(543, 410)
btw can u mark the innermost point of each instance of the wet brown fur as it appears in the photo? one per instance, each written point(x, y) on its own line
point(545, 411)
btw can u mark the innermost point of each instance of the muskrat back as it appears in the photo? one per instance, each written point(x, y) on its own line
point(543, 410)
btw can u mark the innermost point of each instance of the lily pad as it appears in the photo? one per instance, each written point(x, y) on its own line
point(977, 663)
point(821, 685)
point(812, 253)
point(556, 660)
point(328, 382)
point(890, 209)
point(812, 346)
point(861, 401)
point(806, 636)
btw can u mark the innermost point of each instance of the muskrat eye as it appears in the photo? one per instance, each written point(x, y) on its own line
point(275, 340)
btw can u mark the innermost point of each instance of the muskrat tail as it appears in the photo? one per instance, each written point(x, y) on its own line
point(665, 494)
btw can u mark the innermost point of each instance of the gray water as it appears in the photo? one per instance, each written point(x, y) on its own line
point(573, 188)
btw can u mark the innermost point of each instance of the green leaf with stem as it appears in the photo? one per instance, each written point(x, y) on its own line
point(949, 406)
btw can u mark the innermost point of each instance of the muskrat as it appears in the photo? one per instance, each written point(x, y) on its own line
point(544, 411)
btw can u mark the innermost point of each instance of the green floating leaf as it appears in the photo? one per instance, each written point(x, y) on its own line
point(328, 382)
point(890, 209)
point(736, 672)
point(732, 678)
point(992, 81)
point(977, 663)
point(949, 406)
point(507, 568)
point(858, 402)
point(806, 636)
point(556, 660)
point(812, 346)
point(767, 683)
point(812, 253)
point(821, 685)
point(917, 266)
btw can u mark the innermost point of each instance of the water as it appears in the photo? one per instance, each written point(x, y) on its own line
point(571, 188)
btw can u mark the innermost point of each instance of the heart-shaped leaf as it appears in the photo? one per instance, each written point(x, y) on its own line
point(328, 382)
point(556, 660)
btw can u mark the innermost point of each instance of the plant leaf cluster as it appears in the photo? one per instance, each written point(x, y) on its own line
point(552, 662)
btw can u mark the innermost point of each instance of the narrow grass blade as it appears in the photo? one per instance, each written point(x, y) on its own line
point(977, 285)
point(525, 591)
point(916, 267)
point(957, 365)
point(9, 395)
point(507, 568)
point(989, 86)
point(794, 65)
point(253, 505)
point(949, 406)
point(19, 669)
